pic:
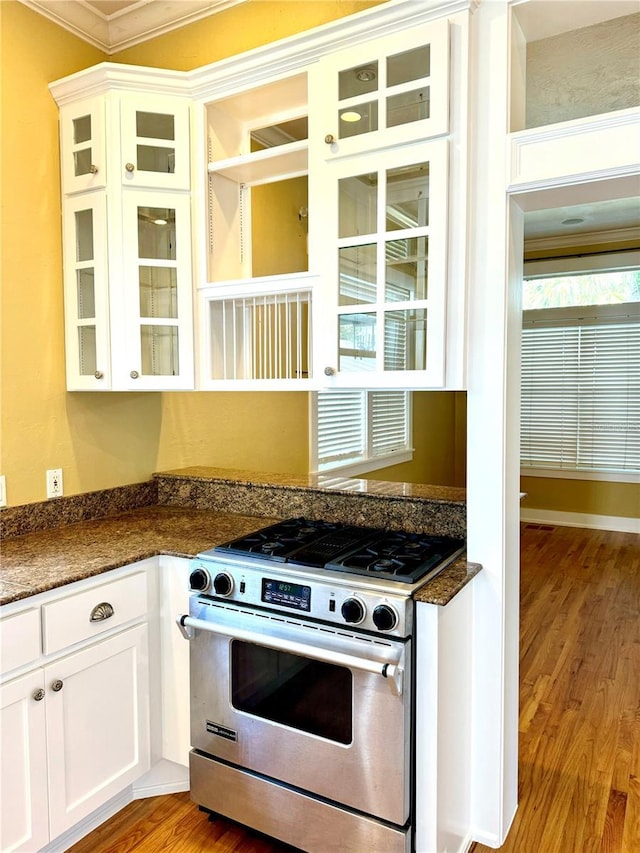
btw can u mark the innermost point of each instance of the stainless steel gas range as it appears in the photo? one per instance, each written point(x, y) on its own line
point(302, 681)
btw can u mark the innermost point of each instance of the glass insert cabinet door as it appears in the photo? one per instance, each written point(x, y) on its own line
point(155, 142)
point(385, 91)
point(82, 128)
point(86, 294)
point(157, 297)
point(388, 268)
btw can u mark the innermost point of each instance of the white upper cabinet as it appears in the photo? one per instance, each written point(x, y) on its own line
point(382, 253)
point(388, 91)
point(83, 146)
point(154, 147)
point(126, 233)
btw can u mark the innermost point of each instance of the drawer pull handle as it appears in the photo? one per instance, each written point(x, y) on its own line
point(39, 695)
point(101, 612)
point(56, 685)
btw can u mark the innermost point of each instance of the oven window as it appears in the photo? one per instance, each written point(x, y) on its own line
point(305, 694)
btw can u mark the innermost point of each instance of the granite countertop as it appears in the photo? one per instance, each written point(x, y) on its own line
point(48, 559)
point(319, 482)
point(37, 562)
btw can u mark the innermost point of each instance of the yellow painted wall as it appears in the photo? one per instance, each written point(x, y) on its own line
point(106, 440)
point(590, 497)
point(440, 442)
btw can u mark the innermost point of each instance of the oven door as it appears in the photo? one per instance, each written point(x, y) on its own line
point(323, 709)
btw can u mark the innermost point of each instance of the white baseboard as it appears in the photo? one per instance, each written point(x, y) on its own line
point(579, 519)
point(89, 823)
point(165, 777)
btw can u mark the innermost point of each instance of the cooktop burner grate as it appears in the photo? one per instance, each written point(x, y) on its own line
point(391, 555)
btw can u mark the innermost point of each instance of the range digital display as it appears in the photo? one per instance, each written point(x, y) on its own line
point(287, 594)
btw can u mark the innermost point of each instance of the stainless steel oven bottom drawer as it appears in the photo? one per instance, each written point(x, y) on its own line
point(288, 815)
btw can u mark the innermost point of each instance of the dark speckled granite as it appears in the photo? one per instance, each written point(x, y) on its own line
point(19, 520)
point(49, 544)
point(400, 506)
point(48, 559)
point(441, 589)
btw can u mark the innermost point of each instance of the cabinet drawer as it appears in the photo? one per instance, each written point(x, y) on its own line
point(19, 639)
point(91, 613)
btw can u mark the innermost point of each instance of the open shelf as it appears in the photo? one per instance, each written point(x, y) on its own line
point(265, 166)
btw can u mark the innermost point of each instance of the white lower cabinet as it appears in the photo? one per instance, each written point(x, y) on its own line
point(74, 707)
point(23, 769)
point(97, 725)
point(74, 734)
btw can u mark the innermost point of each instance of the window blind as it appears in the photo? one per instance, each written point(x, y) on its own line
point(356, 426)
point(581, 394)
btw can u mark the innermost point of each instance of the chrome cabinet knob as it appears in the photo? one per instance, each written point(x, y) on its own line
point(99, 374)
point(129, 167)
point(39, 695)
point(93, 169)
point(329, 139)
point(57, 685)
point(329, 371)
point(134, 374)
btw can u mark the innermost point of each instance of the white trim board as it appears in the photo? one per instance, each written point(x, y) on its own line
point(579, 519)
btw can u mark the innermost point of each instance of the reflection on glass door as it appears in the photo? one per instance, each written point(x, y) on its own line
point(85, 292)
point(383, 266)
point(158, 291)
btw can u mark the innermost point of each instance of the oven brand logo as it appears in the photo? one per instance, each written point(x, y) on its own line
point(221, 731)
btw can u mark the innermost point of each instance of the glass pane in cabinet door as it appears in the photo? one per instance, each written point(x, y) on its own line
point(155, 125)
point(81, 129)
point(84, 235)
point(407, 197)
point(357, 274)
point(86, 293)
point(82, 133)
point(157, 233)
point(158, 292)
point(357, 336)
point(87, 350)
point(408, 65)
point(358, 205)
point(408, 107)
point(159, 349)
point(358, 119)
point(357, 81)
point(406, 269)
point(155, 158)
point(405, 340)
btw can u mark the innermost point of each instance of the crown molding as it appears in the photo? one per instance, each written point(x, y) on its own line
point(586, 238)
point(135, 24)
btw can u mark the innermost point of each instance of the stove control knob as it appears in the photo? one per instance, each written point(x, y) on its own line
point(353, 610)
point(385, 618)
point(223, 584)
point(199, 580)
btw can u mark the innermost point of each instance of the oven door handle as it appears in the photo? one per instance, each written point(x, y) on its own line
point(393, 670)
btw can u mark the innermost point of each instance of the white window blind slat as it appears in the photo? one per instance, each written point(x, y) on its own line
point(355, 426)
point(581, 396)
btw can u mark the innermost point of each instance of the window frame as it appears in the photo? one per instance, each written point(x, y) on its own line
point(573, 316)
point(368, 462)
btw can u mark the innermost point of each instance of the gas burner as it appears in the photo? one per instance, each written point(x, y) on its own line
point(382, 565)
point(390, 555)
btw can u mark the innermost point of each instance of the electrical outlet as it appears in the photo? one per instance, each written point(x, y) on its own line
point(3, 490)
point(54, 483)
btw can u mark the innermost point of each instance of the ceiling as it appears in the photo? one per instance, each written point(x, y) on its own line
point(113, 25)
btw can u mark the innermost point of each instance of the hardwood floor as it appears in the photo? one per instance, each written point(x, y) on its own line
point(579, 788)
point(579, 768)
